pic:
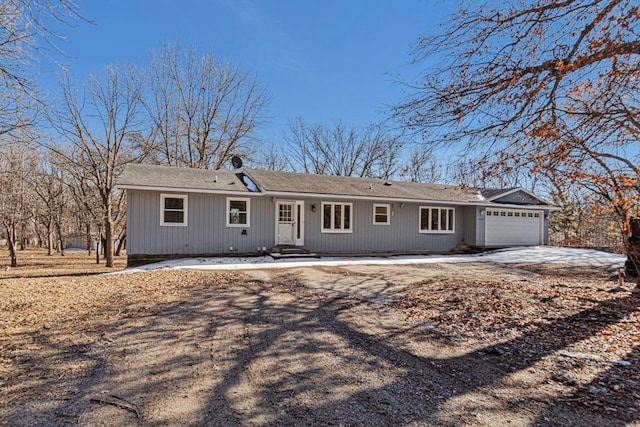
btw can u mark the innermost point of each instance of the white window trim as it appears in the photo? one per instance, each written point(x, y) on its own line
point(227, 211)
point(431, 208)
point(185, 209)
point(387, 207)
point(336, 230)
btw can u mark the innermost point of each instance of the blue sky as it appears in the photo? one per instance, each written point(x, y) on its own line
point(321, 60)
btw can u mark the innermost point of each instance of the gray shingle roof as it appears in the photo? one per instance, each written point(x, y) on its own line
point(187, 179)
point(180, 178)
point(495, 194)
point(490, 193)
point(288, 182)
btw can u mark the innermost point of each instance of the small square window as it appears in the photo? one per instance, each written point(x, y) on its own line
point(238, 212)
point(173, 210)
point(381, 214)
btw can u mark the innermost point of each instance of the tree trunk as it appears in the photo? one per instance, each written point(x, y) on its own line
point(49, 240)
point(60, 239)
point(121, 243)
point(37, 229)
point(89, 242)
point(108, 237)
point(632, 265)
point(11, 242)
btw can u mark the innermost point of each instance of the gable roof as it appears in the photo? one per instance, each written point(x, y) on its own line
point(494, 194)
point(310, 184)
point(291, 184)
point(167, 178)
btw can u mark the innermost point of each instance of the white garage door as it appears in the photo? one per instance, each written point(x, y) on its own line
point(513, 227)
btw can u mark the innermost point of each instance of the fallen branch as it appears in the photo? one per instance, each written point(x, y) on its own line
point(118, 402)
point(576, 355)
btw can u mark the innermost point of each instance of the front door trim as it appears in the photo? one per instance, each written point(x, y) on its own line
point(297, 226)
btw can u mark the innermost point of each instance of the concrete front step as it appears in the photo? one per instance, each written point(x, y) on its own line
point(289, 250)
point(279, 252)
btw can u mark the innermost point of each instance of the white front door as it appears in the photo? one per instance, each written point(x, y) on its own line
point(289, 222)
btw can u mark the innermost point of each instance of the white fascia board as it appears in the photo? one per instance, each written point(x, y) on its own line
point(291, 195)
point(519, 207)
point(185, 190)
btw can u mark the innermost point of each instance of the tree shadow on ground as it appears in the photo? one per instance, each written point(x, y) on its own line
point(255, 355)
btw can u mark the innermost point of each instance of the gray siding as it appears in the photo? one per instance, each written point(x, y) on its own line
point(545, 230)
point(206, 231)
point(401, 235)
point(470, 215)
point(480, 226)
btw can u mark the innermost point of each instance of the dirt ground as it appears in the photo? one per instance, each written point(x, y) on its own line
point(433, 344)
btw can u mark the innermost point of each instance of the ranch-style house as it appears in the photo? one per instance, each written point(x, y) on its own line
point(182, 212)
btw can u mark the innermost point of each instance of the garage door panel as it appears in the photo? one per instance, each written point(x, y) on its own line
point(506, 227)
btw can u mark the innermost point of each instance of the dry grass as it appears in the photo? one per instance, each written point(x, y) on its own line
point(34, 262)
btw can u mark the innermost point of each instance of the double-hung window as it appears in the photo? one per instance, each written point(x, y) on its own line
point(336, 217)
point(238, 210)
point(437, 220)
point(381, 214)
point(173, 210)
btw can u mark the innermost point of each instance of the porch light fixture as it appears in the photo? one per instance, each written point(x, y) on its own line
point(313, 208)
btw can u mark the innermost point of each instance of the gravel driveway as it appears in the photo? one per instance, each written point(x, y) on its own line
point(434, 344)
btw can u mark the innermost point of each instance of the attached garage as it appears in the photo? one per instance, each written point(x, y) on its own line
point(506, 227)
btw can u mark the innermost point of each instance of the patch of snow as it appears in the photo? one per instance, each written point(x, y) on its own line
point(516, 255)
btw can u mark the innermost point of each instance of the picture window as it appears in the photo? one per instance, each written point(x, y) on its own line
point(336, 217)
point(437, 220)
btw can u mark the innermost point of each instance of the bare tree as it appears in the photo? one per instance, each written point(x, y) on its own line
point(49, 183)
point(422, 166)
point(26, 34)
point(270, 156)
point(551, 86)
point(341, 150)
point(17, 164)
point(97, 127)
point(202, 110)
